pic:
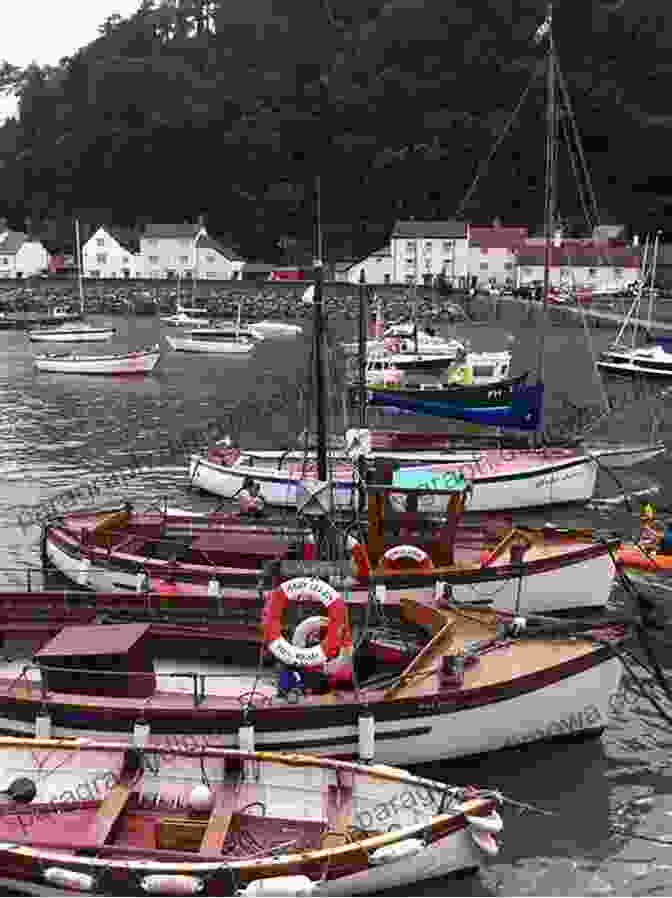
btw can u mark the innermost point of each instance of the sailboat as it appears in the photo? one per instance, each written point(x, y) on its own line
point(650, 361)
point(68, 332)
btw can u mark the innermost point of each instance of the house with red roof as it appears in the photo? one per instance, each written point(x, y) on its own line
point(601, 266)
point(492, 253)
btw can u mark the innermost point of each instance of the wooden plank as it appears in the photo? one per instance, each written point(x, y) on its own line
point(110, 811)
point(339, 813)
point(220, 820)
point(437, 643)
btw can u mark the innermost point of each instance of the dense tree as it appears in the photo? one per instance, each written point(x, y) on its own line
point(192, 105)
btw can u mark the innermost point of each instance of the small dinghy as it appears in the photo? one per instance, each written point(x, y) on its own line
point(114, 819)
point(142, 361)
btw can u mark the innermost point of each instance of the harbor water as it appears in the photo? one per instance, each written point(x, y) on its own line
point(606, 826)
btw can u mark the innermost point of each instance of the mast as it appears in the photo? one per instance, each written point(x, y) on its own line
point(652, 285)
point(362, 349)
point(78, 250)
point(321, 403)
point(549, 216)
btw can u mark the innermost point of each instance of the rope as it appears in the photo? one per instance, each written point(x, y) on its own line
point(484, 165)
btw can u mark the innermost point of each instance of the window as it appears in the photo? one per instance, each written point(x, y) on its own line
point(410, 246)
point(618, 272)
point(184, 260)
point(153, 260)
point(409, 278)
point(508, 266)
point(4, 261)
point(100, 241)
point(527, 271)
point(210, 258)
point(484, 266)
point(170, 273)
point(94, 273)
point(428, 245)
point(484, 251)
point(592, 272)
point(126, 260)
point(387, 278)
point(448, 245)
point(185, 241)
point(410, 263)
point(152, 241)
point(101, 258)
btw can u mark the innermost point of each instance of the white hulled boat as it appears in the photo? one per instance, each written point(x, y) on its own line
point(142, 361)
point(222, 340)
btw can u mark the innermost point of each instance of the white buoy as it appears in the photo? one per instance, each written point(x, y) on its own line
point(399, 851)
point(366, 726)
point(83, 572)
point(201, 799)
point(381, 593)
point(167, 884)
point(141, 733)
point(280, 886)
point(69, 879)
point(43, 725)
point(214, 588)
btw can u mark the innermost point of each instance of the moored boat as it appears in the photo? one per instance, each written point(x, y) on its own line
point(71, 333)
point(271, 329)
point(222, 340)
point(110, 818)
point(109, 552)
point(483, 681)
point(142, 361)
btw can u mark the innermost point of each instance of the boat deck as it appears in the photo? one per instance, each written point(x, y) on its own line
point(226, 688)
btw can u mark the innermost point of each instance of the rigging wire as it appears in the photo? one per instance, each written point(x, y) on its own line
point(483, 166)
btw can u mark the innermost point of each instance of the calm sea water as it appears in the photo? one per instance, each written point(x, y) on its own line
point(603, 796)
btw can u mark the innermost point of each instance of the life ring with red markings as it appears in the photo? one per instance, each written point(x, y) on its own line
point(394, 558)
point(338, 639)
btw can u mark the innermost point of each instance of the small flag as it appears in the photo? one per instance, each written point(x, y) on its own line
point(543, 30)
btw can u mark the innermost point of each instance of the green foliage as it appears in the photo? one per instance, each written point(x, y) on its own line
point(195, 104)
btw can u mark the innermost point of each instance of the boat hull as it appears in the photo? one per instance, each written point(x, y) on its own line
point(547, 483)
point(62, 775)
point(133, 363)
point(72, 336)
point(579, 579)
point(180, 344)
point(566, 701)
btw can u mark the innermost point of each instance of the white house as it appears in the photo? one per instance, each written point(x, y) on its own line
point(423, 250)
point(377, 268)
point(21, 256)
point(104, 255)
point(186, 251)
point(217, 262)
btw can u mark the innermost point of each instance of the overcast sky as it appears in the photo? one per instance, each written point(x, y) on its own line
point(45, 30)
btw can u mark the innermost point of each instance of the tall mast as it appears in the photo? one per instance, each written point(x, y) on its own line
point(78, 250)
point(362, 349)
point(550, 197)
point(321, 404)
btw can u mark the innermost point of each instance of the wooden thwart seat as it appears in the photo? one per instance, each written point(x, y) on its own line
point(230, 799)
point(110, 811)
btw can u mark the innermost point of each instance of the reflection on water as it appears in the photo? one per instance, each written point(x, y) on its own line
point(600, 794)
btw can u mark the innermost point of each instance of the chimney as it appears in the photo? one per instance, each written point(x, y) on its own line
point(496, 222)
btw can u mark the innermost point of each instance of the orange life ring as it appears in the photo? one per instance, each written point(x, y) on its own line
point(397, 554)
point(338, 639)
